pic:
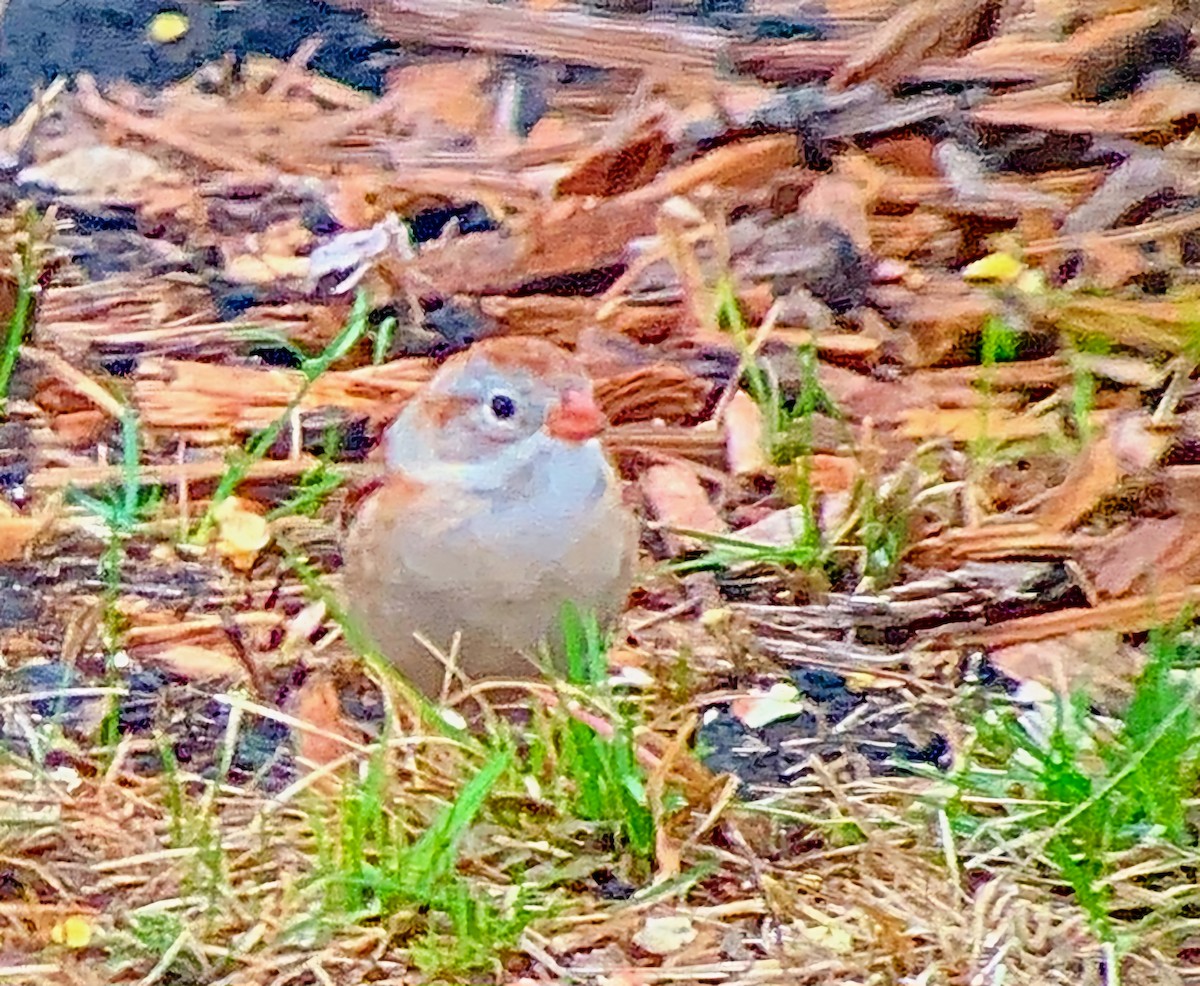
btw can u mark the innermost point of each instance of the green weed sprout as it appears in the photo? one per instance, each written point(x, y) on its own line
point(240, 462)
point(1089, 790)
point(28, 259)
point(608, 781)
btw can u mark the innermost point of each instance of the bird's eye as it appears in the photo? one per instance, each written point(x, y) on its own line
point(503, 407)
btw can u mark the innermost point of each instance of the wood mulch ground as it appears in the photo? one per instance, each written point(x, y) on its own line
point(982, 216)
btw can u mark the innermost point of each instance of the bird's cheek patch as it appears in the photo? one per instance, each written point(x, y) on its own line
point(442, 410)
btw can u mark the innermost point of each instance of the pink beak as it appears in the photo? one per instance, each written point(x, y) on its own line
point(576, 417)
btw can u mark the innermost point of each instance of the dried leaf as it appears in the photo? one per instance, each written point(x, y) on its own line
point(917, 31)
point(303, 625)
point(1128, 446)
point(316, 703)
point(99, 171)
point(1154, 554)
point(1129, 371)
point(1095, 661)
point(829, 936)
point(677, 499)
point(760, 708)
point(665, 935)
point(1109, 265)
point(744, 436)
point(1133, 615)
point(626, 161)
point(351, 250)
point(193, 662)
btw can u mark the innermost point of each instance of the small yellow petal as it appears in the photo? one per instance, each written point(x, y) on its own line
point(74, 932)
point(168, 26)
point(994, 267)
point(242, 532)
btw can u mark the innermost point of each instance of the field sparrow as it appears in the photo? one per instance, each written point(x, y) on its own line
point(498, 506)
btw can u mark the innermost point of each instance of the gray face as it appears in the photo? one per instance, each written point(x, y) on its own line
point(498, 409)
point(474, 413)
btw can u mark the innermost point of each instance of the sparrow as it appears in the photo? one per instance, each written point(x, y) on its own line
point(497, 507)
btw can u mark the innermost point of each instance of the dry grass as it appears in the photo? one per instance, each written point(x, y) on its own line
point(183, 878)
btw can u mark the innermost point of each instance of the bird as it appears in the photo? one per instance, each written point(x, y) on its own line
point(496, 508)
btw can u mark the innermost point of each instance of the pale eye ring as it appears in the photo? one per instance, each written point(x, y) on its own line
point(503, 406)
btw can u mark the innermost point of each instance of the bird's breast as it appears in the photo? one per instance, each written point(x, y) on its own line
point(558, 512)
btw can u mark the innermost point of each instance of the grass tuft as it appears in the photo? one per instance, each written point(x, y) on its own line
point(370, 869)
point(609, 783)
point(1083, 791)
